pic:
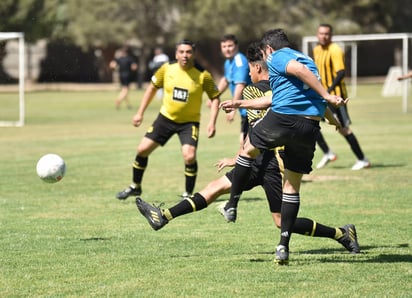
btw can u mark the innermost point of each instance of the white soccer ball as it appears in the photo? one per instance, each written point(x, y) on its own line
point(51, 168)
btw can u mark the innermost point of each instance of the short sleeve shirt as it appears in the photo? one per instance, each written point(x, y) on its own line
point(183, 91)
point(291, 95)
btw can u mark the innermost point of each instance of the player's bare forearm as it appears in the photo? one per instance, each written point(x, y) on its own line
point(260, 103)
point(214, 112)
point(147, 98)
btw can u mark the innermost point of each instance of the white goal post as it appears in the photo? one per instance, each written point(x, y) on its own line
point(20, 37)
point(352, 40)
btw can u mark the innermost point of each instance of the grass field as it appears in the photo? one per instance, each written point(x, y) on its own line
point(75, 239)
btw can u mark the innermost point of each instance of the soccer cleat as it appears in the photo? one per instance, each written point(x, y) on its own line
point(282, 255)
point(350, 239)
point(229, 214)
point(129, 191)
point(361, 164)
point(152, 213)
point(330, 156)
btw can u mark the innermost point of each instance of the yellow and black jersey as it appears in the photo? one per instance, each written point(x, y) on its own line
point(329, 61)
point(259, 89)
point(183, 91)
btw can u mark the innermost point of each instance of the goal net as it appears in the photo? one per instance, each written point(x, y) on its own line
point(12, 93)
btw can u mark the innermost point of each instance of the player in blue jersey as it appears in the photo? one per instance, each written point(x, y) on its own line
point(236, 77)
point(297, 104)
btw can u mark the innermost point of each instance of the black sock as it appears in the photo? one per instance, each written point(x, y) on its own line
point(309, 227)
point(354, 145)
point(241, 175)
point(289, 212)
point(190, 177)
point(139, 166)
point(188, 205)
point(322, 143)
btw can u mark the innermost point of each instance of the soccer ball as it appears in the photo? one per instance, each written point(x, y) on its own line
point(51, 168)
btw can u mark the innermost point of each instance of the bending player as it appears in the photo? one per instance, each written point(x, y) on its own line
point(266, 171)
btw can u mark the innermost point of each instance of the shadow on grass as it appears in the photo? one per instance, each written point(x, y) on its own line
point(374, 165)
point(338, 255)
point(95, 239)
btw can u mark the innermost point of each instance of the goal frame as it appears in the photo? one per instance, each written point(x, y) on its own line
point(20, 37)
point(352, 40)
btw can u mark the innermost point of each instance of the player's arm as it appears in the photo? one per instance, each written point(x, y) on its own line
point(260, 103)
point(336, 81)
point(146, 100)
point(214, 112)
point(300, 71)
point(223, 84)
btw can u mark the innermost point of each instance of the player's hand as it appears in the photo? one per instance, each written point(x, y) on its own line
point(230, 116)
point(337, 101)
point(211, 130)
point(225, 162)
point(229, 105)
point(137, 120)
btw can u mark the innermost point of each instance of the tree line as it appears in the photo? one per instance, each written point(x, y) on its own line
point(107, 25)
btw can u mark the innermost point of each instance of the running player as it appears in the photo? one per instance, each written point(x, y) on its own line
point(183, 82)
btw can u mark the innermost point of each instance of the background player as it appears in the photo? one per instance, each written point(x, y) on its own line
point(183, 82)
point(329, 59)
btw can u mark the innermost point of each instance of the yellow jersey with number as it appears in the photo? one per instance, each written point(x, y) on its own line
point(183, 91)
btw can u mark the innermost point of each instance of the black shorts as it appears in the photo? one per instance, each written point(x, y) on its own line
point(342, 114)
point(296, 133)
point(265, 172)
point(163, 129)
point(125, 80)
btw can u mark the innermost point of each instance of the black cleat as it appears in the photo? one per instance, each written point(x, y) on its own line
point(152, 213)
point(129, 191)
point(350, 240)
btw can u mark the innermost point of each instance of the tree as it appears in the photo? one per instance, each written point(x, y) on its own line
point(33, 17)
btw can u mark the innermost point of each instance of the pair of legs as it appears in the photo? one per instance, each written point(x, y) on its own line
point(123, 96)
point(265, 172)
point(158, 135)
point(298, 136)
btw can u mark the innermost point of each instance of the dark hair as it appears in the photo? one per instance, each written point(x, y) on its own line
point(276, 39)
point(254, 54)
point(187, 42)
point(227, 37)
point(327, 26)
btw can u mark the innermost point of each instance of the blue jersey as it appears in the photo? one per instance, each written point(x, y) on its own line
point(236, 70)
point(289, 94)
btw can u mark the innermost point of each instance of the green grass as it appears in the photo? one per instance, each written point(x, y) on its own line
point(74, 238)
